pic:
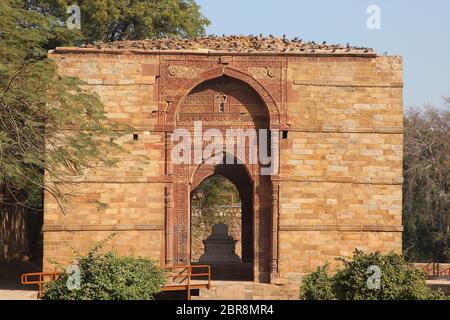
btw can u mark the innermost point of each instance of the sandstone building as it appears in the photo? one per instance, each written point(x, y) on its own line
point(338, 185)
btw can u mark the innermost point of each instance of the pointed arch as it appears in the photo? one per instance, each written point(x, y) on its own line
point(217, 72)
point(195, 180)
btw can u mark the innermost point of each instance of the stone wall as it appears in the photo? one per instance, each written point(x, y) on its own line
point(134, 212)
point(232, 218)
point(341, 165)
point(339, 185)
point(133, 192)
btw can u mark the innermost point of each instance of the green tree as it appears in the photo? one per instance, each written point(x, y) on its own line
point(109, 20)
point(210, 195)
point(50, 123)
point(398, 280)
point(37, 107)
point(426, 197)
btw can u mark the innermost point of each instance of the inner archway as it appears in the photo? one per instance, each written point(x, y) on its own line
point(224, 104)
point(222, 222)
point(216, 200)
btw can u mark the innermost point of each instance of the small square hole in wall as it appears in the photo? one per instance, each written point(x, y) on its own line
point(285, 135)
point(135, 136)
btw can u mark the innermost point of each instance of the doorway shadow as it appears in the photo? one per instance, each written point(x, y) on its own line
point(10, 273)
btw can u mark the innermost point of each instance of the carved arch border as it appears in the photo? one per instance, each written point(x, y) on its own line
point(272, 107)
point(242, 178)
point(215, 169)
point(177, 193)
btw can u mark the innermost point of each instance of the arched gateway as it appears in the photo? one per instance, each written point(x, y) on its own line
point(228, 105)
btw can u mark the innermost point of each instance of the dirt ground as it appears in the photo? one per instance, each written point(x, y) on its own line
point(10, 286)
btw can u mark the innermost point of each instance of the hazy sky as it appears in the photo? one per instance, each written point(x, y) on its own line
point(417, 30)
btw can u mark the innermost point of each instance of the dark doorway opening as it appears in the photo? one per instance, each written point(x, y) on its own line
point(222, 224)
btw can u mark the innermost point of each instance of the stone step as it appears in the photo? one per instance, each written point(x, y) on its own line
point(246, 290)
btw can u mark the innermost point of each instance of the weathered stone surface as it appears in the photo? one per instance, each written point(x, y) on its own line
point(234, 43)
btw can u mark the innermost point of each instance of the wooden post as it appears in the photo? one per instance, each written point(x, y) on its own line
point(189, 282)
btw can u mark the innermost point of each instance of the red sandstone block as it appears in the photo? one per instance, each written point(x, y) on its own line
point(150, 70)
point(292, 95)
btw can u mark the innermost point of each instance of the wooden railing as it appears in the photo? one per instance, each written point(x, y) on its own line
point(180, 278)
point(445, 272)
point(434, 269)
point(39, 279)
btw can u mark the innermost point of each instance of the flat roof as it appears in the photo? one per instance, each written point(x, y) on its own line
point(234, 45)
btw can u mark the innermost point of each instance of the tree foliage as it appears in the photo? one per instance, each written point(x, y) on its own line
point(109, 20)
point(210, 195)
point(47, 122)
point(42, 111)
point(398, 280)
point(426, 198)
point(214, 200)
point(108, 276)
point(317, 285)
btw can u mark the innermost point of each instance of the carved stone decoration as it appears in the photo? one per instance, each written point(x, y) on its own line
point(275, 227)
point(172, 70)
point(266, 73)
point(181, 203)
point(182, 71)
point(223, 97)
point(271, 73)
point(176, 89)
point(221, 101)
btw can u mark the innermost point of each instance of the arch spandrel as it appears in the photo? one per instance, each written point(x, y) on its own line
point(217, 72)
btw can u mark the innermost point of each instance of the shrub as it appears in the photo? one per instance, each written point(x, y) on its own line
point(398, 280)
point(317, 285)
point(109, 277)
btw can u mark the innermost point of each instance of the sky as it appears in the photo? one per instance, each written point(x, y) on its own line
point(417, 30)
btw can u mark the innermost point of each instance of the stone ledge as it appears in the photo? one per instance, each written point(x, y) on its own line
point(277, 178)
point(342, 227)
point(155, 128)
point(350, 85)
point(122, 227)
point(353, 180)
point(143, 180)
point(347, 129)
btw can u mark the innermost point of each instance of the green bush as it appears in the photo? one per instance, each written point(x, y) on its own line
point(317, 285)
point(109, 277)
point(398, 280)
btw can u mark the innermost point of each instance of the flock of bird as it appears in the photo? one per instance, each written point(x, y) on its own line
point(233, 43)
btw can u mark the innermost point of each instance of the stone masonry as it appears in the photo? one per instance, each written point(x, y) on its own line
point(339, 185)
